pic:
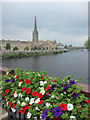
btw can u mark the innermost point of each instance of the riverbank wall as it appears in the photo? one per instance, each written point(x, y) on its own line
point(19, 54)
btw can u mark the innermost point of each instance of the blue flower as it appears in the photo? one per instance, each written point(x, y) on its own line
point(44, 114)
point(65, 89)
point(11, 71)
point(67, 85)
point(57, 111)
point(13, 80)
point(7, 80)
point(52, 87)
point(72, 82)
point(75, 95)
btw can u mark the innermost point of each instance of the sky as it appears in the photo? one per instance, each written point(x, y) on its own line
point(65, 22)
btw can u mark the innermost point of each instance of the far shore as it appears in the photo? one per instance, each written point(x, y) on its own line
point(20, 54)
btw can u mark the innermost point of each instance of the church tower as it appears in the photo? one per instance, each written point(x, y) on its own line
point(35, 34)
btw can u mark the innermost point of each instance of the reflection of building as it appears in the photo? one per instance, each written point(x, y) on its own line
point(48, 44)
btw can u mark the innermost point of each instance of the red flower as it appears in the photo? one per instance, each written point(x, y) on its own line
point(7, 91)
point(20, 81)
point(17, 77)
point(28, 91)
point(63, 106)
point(34, 93)
point(8, 75)
point(13, 74)
point(42, 77)
point(53, 80)
point(14, 99)
point(88, 101)
point(3, 95)
point(23, 89)
point(81, 108)
point(47, 88)
point(22, 111)
point(5, 99)
point(14, 105)
point(28, 81)
point(47, 93)
point(40, 95)
point(56, 118)
point(41, 102)
point(9, 104)
point(25, 108)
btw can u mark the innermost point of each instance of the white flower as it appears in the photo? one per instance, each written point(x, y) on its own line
point(19, 83)
point(41, 83)
point(70, 106)
point(53, 96)
point(20, 95)
point(15, 76)
point(15, 94)
point(6, 103)
point(37, 108)
point(72, 118)
point(18, 102)
point(27, 98)
point(37, 100)
point(41, 88)
point(39, 74)
point(61, 94)
point(23, 104)
point(47, 104)
point(28, 115)
point(57, 97)
point(64, 92)
point(32, 101)
point(45, 82)
point(42, 91)
point(13, 109)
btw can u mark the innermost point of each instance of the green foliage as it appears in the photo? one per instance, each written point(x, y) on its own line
point(8, 46)
point(15, 48)
point(26, 48)
point(87, 44)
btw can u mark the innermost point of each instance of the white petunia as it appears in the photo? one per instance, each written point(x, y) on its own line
point(32, 101)
point(39, 74)
point(41, 88)
point(6, 103)
point(18, 102)
point(53, 96)
point(70, 106)
point(37, 100)
point(45, 82)
point(72, 118)
point(28, 115)
point(41, 83)
point(15, 94)
point(27, 98)
point(37, 108)
point(61, 94)
point(23, 104)
point(47, 104)
point(19, 84)
point(42, 91)
point(13, 109)
point(20, 95)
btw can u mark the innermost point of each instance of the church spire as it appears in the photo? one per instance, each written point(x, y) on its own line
point(35, 26)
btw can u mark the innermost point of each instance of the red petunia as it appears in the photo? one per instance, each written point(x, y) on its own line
point(25, 108)
point(20, 81)
point(63, 106)
point(7, 91)
point(47, 88)
point(22, 111)
point(34, 93)
point(88, 101)
point(5, 99)
point(17, 77)
point(14, 99)
point(23, 89)
point(42, 77)
point(3, 95)
point(9, 104)
point(81, 108)
point(14, 105)
point(56, 118)
point(8, 75)
point(28, 81)
point(47, 93)
point(40, 95)
point(41, 102)
point(53, 80)
point(28, 91)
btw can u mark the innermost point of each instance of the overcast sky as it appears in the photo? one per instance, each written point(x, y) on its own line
point(63, 22)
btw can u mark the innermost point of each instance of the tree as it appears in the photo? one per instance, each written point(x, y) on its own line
point(65, 47)
point(43, 48)
point(15, 48)
point(56, 48)
point(87, 43)
point(39, 48)
point(35, 48)
point(47, 48)
point(26, 48)
point(8, 46)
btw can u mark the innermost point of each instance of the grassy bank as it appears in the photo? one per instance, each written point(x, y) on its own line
point(28, 54)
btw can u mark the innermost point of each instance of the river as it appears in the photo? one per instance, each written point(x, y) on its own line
point(74, 63)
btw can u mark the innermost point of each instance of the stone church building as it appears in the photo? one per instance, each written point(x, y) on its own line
point(31, 44)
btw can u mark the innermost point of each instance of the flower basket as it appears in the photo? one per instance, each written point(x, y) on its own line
point(36, 96)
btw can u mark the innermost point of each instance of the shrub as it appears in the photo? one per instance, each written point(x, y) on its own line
point(37, 94)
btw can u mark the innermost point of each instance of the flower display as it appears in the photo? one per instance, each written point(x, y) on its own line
point(37, 94)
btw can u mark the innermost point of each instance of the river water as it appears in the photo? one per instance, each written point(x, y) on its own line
point(74, 63)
